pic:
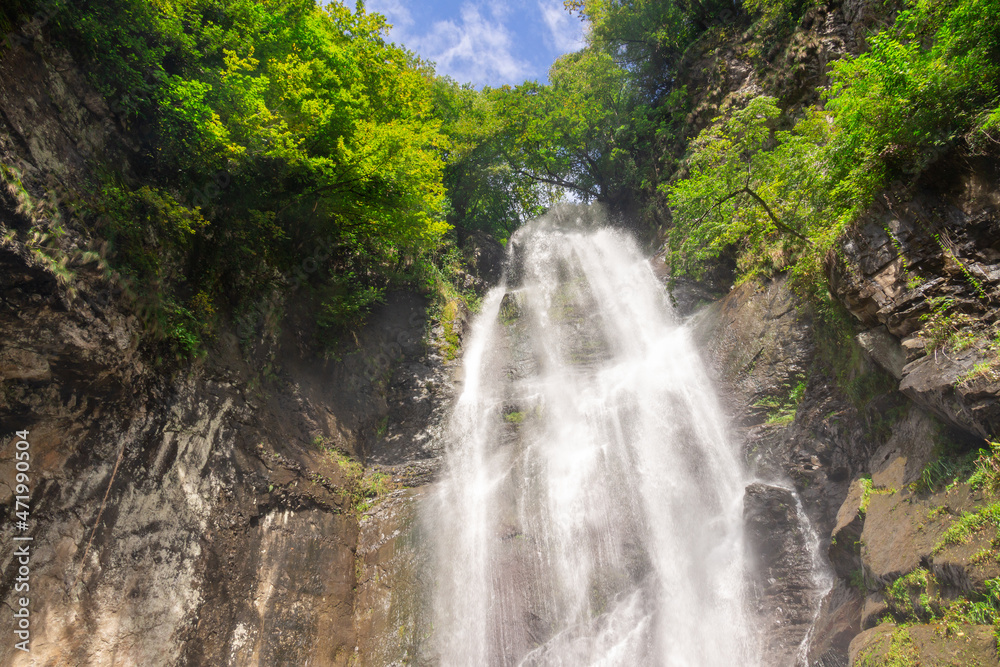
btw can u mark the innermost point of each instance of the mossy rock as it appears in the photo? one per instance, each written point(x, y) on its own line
point(510, 309)
point(891, 645)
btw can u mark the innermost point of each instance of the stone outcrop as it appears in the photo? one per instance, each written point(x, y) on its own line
point(392, 614)
point(922, 269)
point(204, 513)
point(923, 645)
point(760, 341)
point(185, 518)
point(787, 584)
point(763, 342)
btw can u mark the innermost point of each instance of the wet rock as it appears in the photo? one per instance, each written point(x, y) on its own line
point(391, 610)
point(689, 294)
point(835, 627)
point(759, 341)
point(787, 590)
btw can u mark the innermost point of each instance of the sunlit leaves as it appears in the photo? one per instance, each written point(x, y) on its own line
point(714, 207)
point(579, 132)
point(922, 85)
point(319, 131)
point(927, 86)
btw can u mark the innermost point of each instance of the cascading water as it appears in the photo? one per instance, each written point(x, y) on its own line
point(590, 511)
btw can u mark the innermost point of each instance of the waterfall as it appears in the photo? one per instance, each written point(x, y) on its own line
point(590, 509)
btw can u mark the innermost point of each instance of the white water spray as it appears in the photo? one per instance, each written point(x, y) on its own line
point(590, 511)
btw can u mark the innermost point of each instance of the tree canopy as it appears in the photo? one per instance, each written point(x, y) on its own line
point(269, 128)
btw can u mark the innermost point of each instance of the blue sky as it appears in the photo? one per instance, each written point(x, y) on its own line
point(485, 42)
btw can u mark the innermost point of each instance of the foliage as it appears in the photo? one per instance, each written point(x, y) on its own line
point(866, 494)
point(774, 11)
point(485, 190)
point(987, 469)
point(969, 523)
point(361, 488)
point(910, 596)
point(926, 86)
point(901, 652)
point(648, 37)
point(279, 126)
point(915, 597)
point(346, 302)
point(988, 369)
point(868, 489)
point(923, 84)
point(267, 128)
point(954, 460)
point(943, 471)
point(857, 580)
point(514, 417)
point(945, 328)
point(751, 187)
point(581, 131)
point(139, 222)
point(782, 411)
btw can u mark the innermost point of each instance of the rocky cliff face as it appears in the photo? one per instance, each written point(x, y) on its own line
point(867, 420)
point(864, 429)
point(790, 61)
point(210, 513)
point(924, 268)
point(189, 519)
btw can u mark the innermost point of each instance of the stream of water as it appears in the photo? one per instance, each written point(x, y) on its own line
point(590, 511)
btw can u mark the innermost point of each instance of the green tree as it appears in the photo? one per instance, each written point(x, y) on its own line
point(580, 131)
point(929, 84)
point(322, 132)
point(484, 190)
point(750, 188)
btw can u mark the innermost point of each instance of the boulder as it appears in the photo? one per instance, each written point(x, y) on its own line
point(836, 625)
point(884, 349)
point(902, 458)
point(898, 535)
point(937, 381)
point(845, 540)
point(874, 609)
point(788, 588)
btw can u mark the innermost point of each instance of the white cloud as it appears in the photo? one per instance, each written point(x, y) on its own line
point(476, 48)
point(565, 30)
point(396, 13)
